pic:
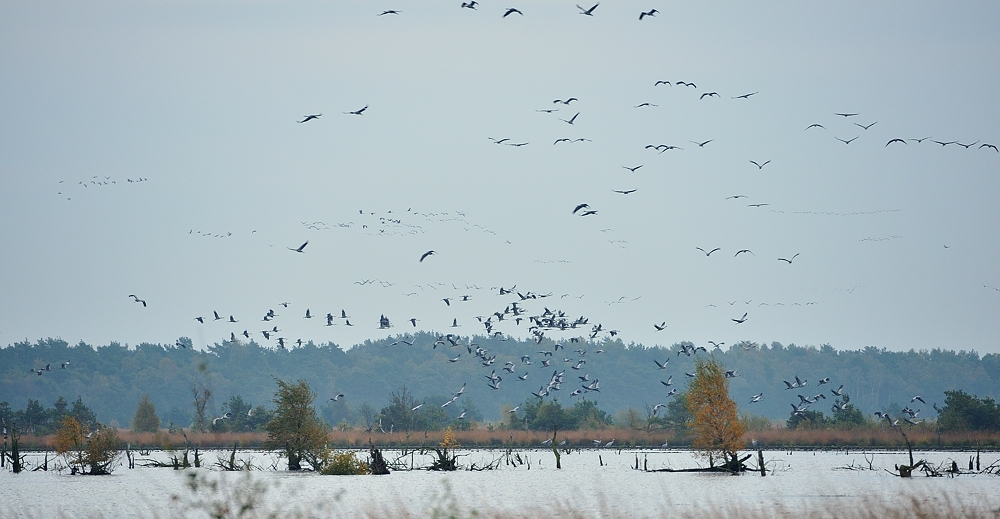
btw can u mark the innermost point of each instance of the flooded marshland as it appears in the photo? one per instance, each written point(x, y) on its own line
point(591, 483)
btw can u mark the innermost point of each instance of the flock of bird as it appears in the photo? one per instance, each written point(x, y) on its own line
point(553, 330)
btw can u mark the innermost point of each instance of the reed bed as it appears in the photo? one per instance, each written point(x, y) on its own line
point(775, 438)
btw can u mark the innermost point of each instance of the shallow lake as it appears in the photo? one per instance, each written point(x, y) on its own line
point(592, 483)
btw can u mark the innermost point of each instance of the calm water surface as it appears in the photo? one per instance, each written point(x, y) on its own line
point(592, 483)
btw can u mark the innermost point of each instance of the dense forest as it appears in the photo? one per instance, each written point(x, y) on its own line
point(110, 380)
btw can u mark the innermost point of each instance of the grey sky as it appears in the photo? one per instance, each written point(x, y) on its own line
point(897, 244)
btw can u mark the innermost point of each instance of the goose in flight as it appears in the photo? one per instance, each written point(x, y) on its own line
point(361, 111)
point(708, 253)
point(839, 391)
point(470, 5)
point(895, 140)
point(986, 145)
point(918, 397)
point(383, 13)
point(741, 320)
point(824, 380)
point(866, 127)
point(300, 248)
point(847, 141)
point(745, 96)
point(943, 144)
point(661, 366)
point(742, 251)
point(643, 14)
point(307, 118)
point(510, 11)
point(760, 166)
point(789, 260)
point(588, 12)
point(702, 144)
point(815, 125)
point(660, 327)
point(846, 115)
point(623, 191)
point(661, 82)
point(756, 398)
point(137, 300)
point(308, 314)
point(669, 382)
point(566, 102)
point(571, 119)
point(200, 319)
point(424, 256)
point(692, 85)
point(232, 319)
point(580, 206)
point(709, 94)
point(336, 397)
point(632, 169)
point(640, 105)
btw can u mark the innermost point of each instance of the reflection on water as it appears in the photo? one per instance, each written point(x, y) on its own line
point(591, 484)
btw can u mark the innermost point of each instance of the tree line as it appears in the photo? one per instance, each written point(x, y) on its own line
point(111, 379)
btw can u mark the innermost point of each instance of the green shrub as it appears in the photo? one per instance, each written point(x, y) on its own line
point(345, 463)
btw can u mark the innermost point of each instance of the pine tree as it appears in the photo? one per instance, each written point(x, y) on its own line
point(145, 419)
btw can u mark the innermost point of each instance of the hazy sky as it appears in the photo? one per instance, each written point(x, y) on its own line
point(897, 245)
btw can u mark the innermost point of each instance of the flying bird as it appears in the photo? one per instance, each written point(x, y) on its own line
point(702, 144)
point(760, 166)
point(632, 169)
point(741, 320)
point(588, 12)
point(424, 255)
point(511, 11)
point(866, 127)
point(640, 105)
point(571, 119)
point(848, 141)
point(789, 260)
point(895, 140)
point(709, 94)
point(383, 13)
point(708, 253)
point(741, 251)
point(137, 300)
point(470, 5)
point(360, 111)
point(846, 115)
point(660, 327)
point(745, 96)
point(581, 206)
point(815, 125)
point(624, 192)
point(307, 118)
point(301, 247)
point(984, 145)
point(566, 102)
point(643, 14)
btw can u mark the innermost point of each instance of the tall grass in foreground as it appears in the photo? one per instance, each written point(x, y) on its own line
point(246, 498)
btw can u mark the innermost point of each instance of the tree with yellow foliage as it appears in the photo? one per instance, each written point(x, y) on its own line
point(715, 422)
point(94, 453)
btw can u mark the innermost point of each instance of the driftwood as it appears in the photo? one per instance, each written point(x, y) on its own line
point(733, 467)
